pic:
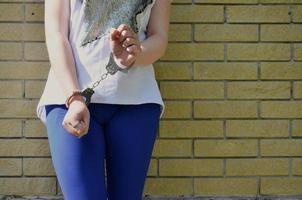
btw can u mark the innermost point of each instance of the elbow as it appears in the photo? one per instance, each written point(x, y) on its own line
point(163, 38)
point(55, 41)
point(52, 36)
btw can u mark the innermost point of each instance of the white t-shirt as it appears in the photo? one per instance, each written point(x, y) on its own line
point(135, 87)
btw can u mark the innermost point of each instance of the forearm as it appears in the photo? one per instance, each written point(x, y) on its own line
point(152, 49)
point(62, 62)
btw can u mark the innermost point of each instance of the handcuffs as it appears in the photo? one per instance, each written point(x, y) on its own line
point(112, 67)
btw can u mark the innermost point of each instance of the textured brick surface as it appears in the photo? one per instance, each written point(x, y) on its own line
point(231, 80)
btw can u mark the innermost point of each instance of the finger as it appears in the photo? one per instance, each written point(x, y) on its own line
point(127, 33)
point(130, 59)
point(122, 27)
point(130, 41)
point(127, 27)
point(76, 127)
point(133, 49)
point(114, 34)
point(84, 129)
point(80, 128)
point(69, 128)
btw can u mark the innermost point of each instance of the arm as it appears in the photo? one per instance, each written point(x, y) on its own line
point(126, 46)
point(56, 20)
point(157, 34)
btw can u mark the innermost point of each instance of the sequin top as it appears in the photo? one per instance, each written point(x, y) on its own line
point(135, 87)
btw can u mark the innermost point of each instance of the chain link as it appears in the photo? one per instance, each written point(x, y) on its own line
point(111, 68)
point(95, 84)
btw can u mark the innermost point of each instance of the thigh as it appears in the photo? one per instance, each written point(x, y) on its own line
point(78, 162)
point(130, 135)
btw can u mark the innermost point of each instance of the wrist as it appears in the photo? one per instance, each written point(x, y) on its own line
point(121, 65)
point(77, 98)
point(74, 96)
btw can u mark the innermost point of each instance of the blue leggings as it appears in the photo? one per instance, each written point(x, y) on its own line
point(122, 134)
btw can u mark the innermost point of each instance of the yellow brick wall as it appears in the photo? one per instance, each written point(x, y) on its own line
point(231, 79)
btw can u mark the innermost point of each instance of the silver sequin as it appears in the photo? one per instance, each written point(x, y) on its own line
point(101, 15)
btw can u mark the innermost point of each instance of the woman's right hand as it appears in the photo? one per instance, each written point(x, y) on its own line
point(77, 113)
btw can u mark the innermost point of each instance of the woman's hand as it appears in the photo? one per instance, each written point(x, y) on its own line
point(125, 44)
point(77, 118)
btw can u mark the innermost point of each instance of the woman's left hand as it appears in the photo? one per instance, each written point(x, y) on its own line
point(125, 44)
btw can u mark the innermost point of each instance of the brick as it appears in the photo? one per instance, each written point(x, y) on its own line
point(152, 169)
point(173, 71)
point(280, 147)
point(10, 51)
point(24, 70)
point(17, 108)
point(190, 167)
point(11, 12)
point(297, 13)
point(181, 1)
point(191, 129)
point(281, 71)
point(193, 51)
point(284, 32)
point(297, 88)
point(279, 1)
point(192, 90)
point(180, 32)
point(281, 109)
point(11, 31)
point(225, 71)
point(225, 32)
point(34, 89)
point(11, 167)
point(297, 166)
point(227, 1)
point(257, 167)
point(225, 186)
point(34, 128)
point(35, 51)
point(225, 109)
point(260, 52)
point(168, 186)
point(28, 186)
point(15, 89)
point(258, 90)
point(257, 128)
point(38, 167)
point(172, 147)
point(177, 109)
point(34, 12)
point(284, 186)
point(24, 147)
point(10, 128)
point(297, 51)
point(196, 13)
point(258, 13)
point(225, 148)
point(297, 128)
point(22, 32)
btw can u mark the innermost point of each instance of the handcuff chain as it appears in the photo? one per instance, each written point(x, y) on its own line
point(111, 68)
point(96, 83)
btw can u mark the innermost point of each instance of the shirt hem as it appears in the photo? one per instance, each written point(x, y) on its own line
point(41, 111)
